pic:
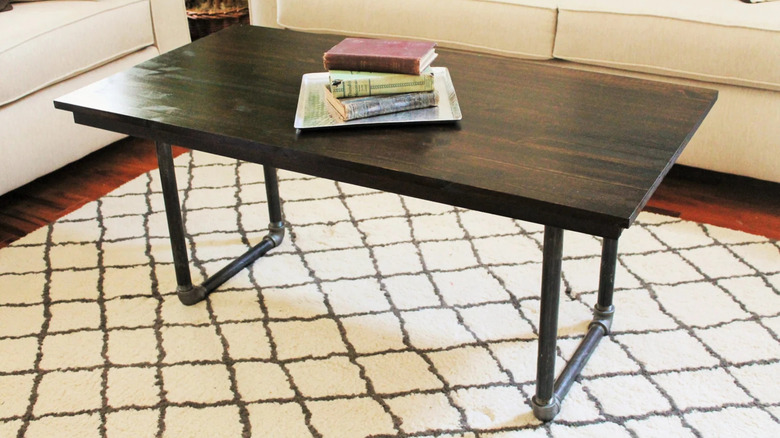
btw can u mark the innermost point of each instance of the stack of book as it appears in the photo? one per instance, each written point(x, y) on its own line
point(371, 77)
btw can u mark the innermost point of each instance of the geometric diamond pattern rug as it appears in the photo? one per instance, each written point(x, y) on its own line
point(380, 315)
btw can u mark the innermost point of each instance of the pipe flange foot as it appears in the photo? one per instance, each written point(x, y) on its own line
point(546, 411)
point(192, 295)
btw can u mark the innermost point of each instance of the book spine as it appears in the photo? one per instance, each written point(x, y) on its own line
point(369, 107)
point(407, 66)
point(380, 84)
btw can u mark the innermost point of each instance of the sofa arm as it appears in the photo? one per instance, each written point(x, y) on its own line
point(263, 13)
point(169, 19)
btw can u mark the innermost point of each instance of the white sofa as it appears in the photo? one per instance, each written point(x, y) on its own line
point(727, 45)
point(49, 48)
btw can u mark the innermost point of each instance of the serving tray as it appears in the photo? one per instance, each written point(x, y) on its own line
point(314, 112)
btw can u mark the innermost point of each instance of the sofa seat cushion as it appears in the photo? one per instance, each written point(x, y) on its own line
point(523, 28)
point(43, 43)
point(724, 41)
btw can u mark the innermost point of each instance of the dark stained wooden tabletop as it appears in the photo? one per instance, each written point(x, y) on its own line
point(577, 150)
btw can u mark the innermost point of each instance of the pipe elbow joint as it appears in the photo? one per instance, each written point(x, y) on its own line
point(275, 233)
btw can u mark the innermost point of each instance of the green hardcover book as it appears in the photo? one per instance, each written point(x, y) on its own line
point(344, 83)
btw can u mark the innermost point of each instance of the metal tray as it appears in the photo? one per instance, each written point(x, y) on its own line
point(314, 112)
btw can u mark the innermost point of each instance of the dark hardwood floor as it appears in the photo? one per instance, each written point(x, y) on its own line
point(52, 196)
point(733, 202)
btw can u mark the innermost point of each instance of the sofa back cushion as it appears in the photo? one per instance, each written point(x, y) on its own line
point(43, 43)
point(725, 41)
point(523, 28)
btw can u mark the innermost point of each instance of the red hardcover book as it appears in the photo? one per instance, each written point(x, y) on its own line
point(380, 55)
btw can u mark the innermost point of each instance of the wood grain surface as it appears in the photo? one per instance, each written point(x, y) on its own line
point(576, 150)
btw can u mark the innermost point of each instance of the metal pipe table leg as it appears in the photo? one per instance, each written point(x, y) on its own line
point(545, 405)
point(186, 291)
point(547, 401)
point(173, 215)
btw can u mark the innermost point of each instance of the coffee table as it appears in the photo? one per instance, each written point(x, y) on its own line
point(564, 148)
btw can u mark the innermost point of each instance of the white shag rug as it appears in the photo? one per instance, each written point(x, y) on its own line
point(380, 316)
